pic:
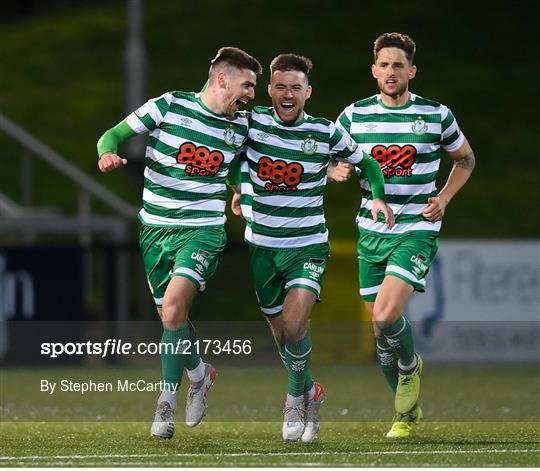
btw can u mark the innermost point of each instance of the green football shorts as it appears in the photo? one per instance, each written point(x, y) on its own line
point(191, 252)
point(407, 257)
point(277, 271)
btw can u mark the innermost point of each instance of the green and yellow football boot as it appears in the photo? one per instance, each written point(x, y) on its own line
point(408, 388)
point(404, 423)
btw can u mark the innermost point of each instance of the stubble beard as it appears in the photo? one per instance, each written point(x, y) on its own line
point(396, 94)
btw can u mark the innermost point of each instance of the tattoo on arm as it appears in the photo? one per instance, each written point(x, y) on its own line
point(467, 162)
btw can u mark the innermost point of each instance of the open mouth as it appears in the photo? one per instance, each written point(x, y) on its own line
point(240, 102)
point(391, 82)
point(287, 105)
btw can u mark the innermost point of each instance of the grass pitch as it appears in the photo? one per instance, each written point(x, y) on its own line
point(260, 444)
point(475, 416)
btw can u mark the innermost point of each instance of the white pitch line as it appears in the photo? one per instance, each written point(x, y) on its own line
point(248, 454)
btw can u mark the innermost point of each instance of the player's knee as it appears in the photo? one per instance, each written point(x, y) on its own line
point(173, 316)
point(294, 331)
point(385, 315)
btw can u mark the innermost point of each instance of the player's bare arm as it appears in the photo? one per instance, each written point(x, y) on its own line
point(464, 162)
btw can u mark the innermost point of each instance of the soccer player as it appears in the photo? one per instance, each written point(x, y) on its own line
point(405, 134)
point(193, 139)
point(283, 176)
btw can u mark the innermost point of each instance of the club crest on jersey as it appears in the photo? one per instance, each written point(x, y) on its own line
point(309, 146)
point(229, 136)
point(419, 126)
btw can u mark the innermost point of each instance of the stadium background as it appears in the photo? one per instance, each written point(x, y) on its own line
point(64, 82)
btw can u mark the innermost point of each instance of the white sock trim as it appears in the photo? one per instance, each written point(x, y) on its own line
point(298, 356)
point(197, 374)
point(382, 348)
point(412, 366)
point(400, 330)
point(311, 392)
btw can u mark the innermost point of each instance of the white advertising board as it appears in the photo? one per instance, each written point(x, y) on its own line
point(482, 302)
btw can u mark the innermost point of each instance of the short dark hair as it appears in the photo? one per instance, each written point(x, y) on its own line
point(237, 58)
point(285, 62)
point(399, 40)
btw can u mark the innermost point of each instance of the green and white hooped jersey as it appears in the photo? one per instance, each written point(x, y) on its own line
point(283, 176)
point(406, 141)
point(187, 159)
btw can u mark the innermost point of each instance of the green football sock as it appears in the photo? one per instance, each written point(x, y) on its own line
point(388, 362)
point(309, 380)
point(172, 362)
point(399, 337)
point(193, 359)
point(298, 355)
point(281, 351)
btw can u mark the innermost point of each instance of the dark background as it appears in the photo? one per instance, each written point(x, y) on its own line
point(63, 79)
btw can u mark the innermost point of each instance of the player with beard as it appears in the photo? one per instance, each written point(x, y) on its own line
point(283, 177)
point(405, 133)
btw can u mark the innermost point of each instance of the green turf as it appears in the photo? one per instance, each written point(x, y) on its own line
point(475, 416)
point(260, 444)
point(355, 393)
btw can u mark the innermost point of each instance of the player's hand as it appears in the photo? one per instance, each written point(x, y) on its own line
point(435, 208)
point(235, 205)
point(380, 206)
point(109, 162)
point(339, 171)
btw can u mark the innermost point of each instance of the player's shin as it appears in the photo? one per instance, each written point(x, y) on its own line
point(172, 358)
point(388, 362)
point(298, 356)
point(282, 355)
point(308, 385)
point(194, 366)
point(172, 363)
point(399, 337)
